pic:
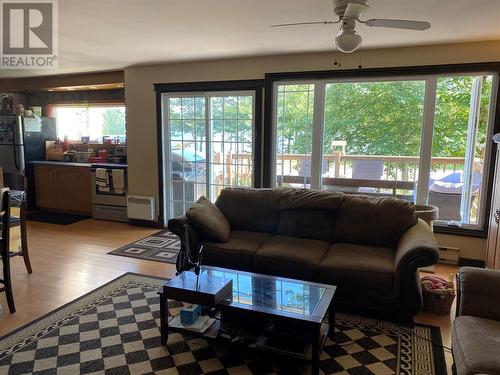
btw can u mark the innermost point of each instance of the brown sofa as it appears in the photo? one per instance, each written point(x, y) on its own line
point(370, 247)
point(475, 337)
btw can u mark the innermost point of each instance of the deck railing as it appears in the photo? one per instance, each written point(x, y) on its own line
point(400, 173)
point(395, 167)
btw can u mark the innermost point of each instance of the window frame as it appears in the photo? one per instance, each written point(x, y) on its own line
point(210, 87)
point(429, 74)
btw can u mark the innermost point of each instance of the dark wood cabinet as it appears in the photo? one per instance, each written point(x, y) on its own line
point(63, 188)
point(493, 244)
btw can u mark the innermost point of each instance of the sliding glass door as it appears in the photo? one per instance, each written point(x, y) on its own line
point(459, 147)
point(208, 145)
point(424, 139)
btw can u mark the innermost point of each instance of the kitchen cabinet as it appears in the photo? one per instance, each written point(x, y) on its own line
point(493, 244)
point(63, 188)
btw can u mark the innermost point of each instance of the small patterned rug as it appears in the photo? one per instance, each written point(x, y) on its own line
point(114, 330)
point(161, 247)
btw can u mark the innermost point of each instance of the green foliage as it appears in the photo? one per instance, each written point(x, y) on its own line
point(113, 121)
point(231, 119)
point(452, 116)
point(381, 118)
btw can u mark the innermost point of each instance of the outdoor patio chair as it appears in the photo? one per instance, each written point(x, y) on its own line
point(367, 170)
point(305, 167)
point(448, 204)
point(446, 193)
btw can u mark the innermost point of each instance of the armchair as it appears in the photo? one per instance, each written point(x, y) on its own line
point(476, 329)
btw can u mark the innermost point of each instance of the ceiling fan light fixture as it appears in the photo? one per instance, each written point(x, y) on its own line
point(347, 41)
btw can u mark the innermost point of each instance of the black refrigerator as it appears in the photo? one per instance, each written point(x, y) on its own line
point(22, 140)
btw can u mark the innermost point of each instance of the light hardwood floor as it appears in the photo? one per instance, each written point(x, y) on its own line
point(69, 261)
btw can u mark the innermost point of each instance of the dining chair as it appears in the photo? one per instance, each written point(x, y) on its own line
point(5, 251)
point(17, 182)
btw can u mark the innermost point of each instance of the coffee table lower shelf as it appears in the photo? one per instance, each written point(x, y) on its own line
point(212, 334)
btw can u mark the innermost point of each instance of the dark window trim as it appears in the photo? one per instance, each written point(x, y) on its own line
point(256, 85)
point(457, 231)
point(490, 67)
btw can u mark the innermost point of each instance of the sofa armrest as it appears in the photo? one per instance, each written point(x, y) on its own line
point(478, 293)
point(416, 248)
point(177, 225)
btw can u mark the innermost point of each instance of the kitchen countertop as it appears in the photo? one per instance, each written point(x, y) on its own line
point(75, 164)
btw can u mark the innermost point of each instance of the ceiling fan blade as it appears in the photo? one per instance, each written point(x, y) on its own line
point(303, 23)
point(399, 24)
point(354, 10)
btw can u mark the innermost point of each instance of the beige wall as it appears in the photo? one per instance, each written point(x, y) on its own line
point(470, 247)
point(141, 105)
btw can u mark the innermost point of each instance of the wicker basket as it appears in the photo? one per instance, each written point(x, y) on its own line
point(439, 301)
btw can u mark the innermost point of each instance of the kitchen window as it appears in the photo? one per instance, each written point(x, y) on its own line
point(422, 138)
point(93, 121)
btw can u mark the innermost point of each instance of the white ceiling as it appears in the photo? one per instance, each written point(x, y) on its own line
point(112, 34)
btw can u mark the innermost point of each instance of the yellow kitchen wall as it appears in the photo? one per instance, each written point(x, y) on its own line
point(141, 102)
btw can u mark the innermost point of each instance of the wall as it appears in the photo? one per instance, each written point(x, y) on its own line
point(141, 104)
point(45, 98)
point(47, 82)
point(470, 247)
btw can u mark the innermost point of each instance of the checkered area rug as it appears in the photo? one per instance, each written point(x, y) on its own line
point(114, 330)
point(161, 247)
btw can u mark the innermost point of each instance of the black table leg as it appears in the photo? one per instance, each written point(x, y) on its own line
point(316, 350)
point(163, 318)
point(331, 322)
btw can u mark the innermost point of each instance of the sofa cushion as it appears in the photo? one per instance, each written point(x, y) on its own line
point(373, 221)
point(249, 209)
point(209, 219)
point(238, 252)
point(358, 266)
point(313, 224)
point(290, 257)
point(307, 199)
point(476, 345)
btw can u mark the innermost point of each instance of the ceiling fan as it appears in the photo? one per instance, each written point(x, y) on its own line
point(350, 11)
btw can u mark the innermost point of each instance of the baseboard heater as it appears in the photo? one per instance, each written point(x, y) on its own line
point(141, 208)
point(449, 255)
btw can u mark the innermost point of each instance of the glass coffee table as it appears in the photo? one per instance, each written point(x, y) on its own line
point(285, 316)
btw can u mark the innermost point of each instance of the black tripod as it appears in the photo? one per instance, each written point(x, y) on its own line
point(184, 259)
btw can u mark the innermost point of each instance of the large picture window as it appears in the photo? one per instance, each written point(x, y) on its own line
point(424, 139)
point(93, 121)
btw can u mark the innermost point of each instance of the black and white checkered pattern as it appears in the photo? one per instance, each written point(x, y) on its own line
point(119, 334)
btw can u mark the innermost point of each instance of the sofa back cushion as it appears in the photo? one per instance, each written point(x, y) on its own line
point(249, 209)
point(312, 224)
point(376, 221)
point(307, 199)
